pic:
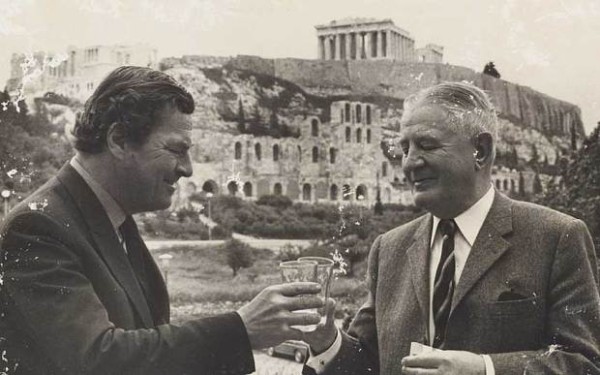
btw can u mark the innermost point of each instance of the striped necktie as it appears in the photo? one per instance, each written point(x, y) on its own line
point(443, 288)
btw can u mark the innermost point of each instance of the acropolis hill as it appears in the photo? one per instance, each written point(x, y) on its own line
point(332, 145)
point(522, 105)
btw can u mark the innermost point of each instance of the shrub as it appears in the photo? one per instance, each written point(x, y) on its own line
point(237, 255)
point(279, 201)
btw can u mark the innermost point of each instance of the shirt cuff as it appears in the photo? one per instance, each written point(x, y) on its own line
point(489, 365)
point(320, 362)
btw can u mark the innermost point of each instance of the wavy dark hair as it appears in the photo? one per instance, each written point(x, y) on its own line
point(132, 96)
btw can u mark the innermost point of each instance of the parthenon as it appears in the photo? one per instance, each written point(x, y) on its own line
point(368, 39)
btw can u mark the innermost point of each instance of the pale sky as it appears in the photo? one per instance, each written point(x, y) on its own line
point(552, 46)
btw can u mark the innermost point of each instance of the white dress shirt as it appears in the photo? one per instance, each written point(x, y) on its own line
point(469, 224)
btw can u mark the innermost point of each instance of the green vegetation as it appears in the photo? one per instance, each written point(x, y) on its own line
point(277, 217)
point(183, 224)
point(578, 192)
point(237, 255)
point(32, 149)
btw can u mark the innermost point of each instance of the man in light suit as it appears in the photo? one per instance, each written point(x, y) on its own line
point(81, 294)
point(501, 286)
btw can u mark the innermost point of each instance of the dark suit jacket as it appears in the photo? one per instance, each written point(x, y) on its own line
point(72, 305)
point(527, 296)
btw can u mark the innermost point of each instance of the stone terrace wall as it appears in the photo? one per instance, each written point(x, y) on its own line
point(520, 104)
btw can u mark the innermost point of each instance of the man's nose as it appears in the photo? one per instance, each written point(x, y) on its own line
point(412, 160)
point(184, 166)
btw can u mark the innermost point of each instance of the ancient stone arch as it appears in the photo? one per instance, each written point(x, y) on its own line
point(257, 151)
point(314, 127)
point(232, 188)
point(333, 192)
point(247, 189)
point(361, 192)
point(210, 186)
point(306, 192)
point(238, 150)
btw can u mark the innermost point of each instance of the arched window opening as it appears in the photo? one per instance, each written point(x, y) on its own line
point(361, 193)
point(332, 155)
point(258, 151)
point(275, 152)
point(314, 128)
point(347, 111)
point(348, 134)
point(277, 190)
point(232, 187)
point(333, 192)
point(315, 154)
point(248, 189)
point(306, 192)
point(238, 150)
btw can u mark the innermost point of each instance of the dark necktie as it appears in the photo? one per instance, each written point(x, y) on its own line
point(131, 238)
point(443, 288)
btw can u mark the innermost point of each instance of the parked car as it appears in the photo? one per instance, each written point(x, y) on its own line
point(291, 349)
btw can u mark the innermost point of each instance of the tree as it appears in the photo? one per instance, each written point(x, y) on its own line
point(238, 255)
point(537, 184)
point(241, 118)
point(256, 127)
point(579, 195)
point(535, 156)
point(378, 208)
point(490, 70)
point(274, 126)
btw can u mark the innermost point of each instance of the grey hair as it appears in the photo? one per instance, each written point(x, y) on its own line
point(470, 110)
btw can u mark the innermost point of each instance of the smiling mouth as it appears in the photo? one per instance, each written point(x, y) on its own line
point(422, 183)
point(171, 186)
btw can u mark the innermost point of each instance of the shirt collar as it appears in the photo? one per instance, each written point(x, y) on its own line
point(470, 221)
point(115, 213)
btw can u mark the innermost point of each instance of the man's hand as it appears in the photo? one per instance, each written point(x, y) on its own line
point(324, 335)
point(444, 363)
point(269, 315)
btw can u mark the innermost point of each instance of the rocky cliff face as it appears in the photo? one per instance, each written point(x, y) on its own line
point(522, 105)
point(237, 93)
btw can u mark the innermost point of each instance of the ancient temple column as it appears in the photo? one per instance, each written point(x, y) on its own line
point(388, 45)
point(359, 46)
point(321, 48)
point(402, 42)
point(338, 45)
point(348, 46)
point(327, 47)
point(379, 46)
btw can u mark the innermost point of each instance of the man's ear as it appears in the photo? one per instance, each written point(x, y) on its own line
point(115, 140)
point(484, 149)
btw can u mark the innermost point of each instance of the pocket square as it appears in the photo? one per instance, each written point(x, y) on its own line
point(510, 295)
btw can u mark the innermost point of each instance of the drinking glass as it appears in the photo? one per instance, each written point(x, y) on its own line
point(294, 270)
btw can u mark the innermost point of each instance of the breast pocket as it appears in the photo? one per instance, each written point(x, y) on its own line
point(516, 324)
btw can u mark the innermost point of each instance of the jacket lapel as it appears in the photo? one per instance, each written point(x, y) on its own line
point(148, 273)
point(105, 239)
point(488, 247)
point(418, 255)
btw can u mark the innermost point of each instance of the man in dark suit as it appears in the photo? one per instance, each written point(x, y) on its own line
point(81, 294)
point(501, 286)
